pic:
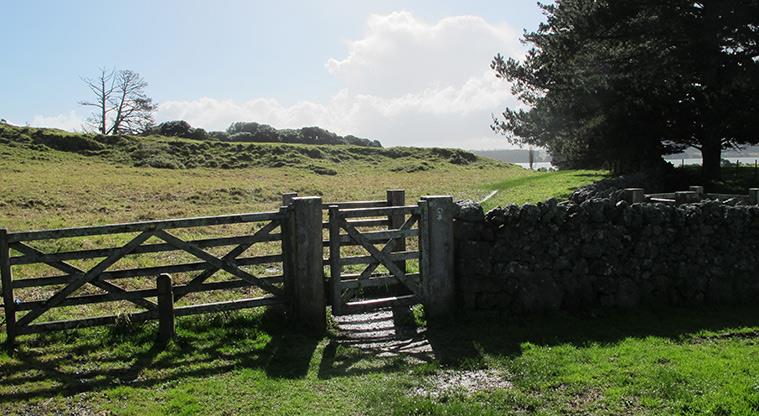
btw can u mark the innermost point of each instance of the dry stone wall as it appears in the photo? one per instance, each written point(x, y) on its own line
point(521, 260)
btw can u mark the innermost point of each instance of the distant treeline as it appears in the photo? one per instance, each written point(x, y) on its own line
point(744, 151)
point(260, 133)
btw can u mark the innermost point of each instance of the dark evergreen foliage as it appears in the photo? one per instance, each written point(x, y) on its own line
point(619, 84)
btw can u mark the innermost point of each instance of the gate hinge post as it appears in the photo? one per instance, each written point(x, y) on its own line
point(439, 278)
point(307, 295)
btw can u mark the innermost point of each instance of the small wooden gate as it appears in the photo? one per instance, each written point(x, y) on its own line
point(345, 230)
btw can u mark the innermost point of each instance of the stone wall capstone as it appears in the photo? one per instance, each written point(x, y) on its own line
point(521, 260)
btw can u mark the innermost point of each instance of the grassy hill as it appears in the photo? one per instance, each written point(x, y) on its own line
point(180, 153)
point(52, 178)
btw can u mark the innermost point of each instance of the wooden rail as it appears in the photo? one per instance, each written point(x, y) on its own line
point(378, 229)
point(22, 315)
point(694, 194)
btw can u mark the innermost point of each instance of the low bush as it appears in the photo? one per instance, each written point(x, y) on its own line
point(68, 142)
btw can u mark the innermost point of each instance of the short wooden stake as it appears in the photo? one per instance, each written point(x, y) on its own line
point(9, 305)
point(634, 195)
point(686, 197)
point(309, 301)
point(753, 195)
point(166, 328)
point(699, 190)
point(439, 280)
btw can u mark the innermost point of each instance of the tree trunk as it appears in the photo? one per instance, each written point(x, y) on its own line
point(711, 157)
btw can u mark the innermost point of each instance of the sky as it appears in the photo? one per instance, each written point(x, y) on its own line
point(412, 73)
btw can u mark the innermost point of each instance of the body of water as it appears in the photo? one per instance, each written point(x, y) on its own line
point(742, 160)
point(536, 165)
point(677, 162)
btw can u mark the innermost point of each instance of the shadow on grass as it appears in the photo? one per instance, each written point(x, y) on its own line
point(93, 359)
point(465, 342)
point(99, 359)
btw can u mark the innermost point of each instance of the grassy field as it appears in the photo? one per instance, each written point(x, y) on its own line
point(649, 363)
point(663, 362)
point(539, 186)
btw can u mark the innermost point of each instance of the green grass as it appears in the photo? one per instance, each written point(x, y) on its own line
point(669, 361)
point(540, 186)
point(251, 362)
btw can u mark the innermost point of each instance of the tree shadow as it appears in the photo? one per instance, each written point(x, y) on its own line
point(465, 341)
point(94, 359)
point(97, 359)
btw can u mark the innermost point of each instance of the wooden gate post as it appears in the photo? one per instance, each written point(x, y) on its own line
point(439, 278)
point(307, 294)
point(9, 305)
point(397, 198)
point(287, 198)
point(698, 189)
point(686, 197)
point(753, 195)
point(166, 328)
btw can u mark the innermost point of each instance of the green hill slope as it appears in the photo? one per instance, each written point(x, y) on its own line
point(179, 153)
point(52, 178)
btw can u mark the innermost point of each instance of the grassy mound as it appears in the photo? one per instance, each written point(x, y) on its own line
point(178, 153)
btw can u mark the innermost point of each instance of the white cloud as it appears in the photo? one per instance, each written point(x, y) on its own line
point(401, 54)
point(405, 82)
point(70, 121)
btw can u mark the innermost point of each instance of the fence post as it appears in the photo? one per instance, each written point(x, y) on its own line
point(753, 195)
point(9, 305)
point(397, 198)
point(685, 197)
point(335, 270)
point(635, 195)
point(308, 297)
point(439, 280)
point(699, 190)
point(288, 250)
point(165, 308)
point(287, 198)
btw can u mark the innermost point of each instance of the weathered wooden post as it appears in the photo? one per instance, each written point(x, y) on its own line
point(287, 198)
point(9, 305)
point(397, 198)
point(308, 299)
point(699, 190)
point(335, 269)
point(288, 259)
point(439, 280)
point(753, 195)
point(685, 197)
point(635, 195)
point(166, 328)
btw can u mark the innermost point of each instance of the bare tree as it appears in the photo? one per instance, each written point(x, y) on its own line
point(102, 88)
point(122, 107)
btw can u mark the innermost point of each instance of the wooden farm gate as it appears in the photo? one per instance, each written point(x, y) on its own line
point(271, 258)
point(65, 288)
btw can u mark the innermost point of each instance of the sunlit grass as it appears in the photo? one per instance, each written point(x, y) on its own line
point(539, 186)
